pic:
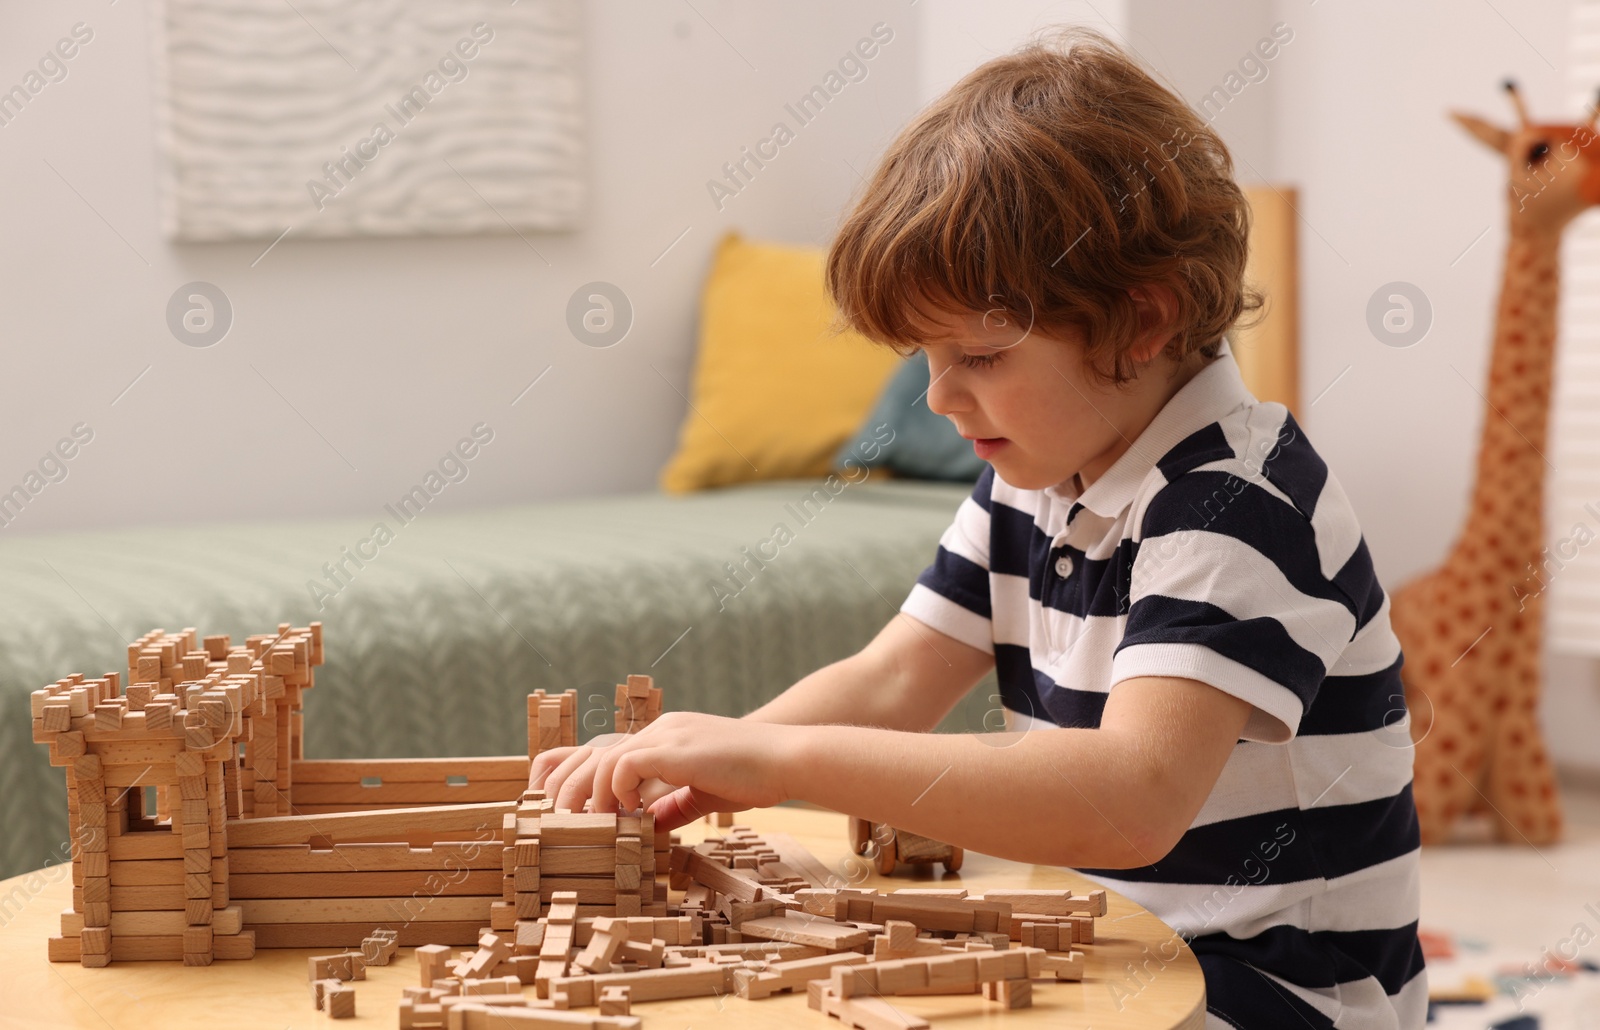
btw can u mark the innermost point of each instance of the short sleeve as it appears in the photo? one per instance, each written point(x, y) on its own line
point(1228, 588)
point(952, 594)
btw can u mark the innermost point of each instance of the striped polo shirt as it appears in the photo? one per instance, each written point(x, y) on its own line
point(1220, 548)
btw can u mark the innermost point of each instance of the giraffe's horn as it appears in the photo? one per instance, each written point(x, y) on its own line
point(1510, 86)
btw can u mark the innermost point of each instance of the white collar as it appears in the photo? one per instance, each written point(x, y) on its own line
point(1215, 390)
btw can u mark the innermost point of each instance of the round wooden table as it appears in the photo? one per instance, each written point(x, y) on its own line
point(1139, 973)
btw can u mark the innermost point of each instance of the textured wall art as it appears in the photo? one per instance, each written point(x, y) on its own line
point(369, 117)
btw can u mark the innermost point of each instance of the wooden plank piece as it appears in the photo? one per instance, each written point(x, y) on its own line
point(408, 770)
point(350, 935)
point(437, 822)
point(299, 858)
point(803, 929)
point(398, 883)
point(377, 911)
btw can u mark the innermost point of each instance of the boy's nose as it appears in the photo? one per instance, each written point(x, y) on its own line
point(945, 396)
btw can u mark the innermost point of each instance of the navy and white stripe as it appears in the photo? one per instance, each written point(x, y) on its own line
point(1220, 548)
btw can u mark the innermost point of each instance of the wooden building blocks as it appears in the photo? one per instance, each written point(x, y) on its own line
point(201, 833)
point(757, 919)
point(340, 1001)
point(552, 721)
point(638, 704)
point(493, 949)
point(333, 995)
point(861, 1013)
point(204, 733)
point(615, 1001)
point(349, 965)
point(379, 947)
point(483, 1017)
point(782, 976)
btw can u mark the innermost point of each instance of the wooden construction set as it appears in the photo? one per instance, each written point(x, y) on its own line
point(759, 916)
point(201, 832)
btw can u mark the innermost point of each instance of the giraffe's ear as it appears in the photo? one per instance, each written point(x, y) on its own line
point(1491, 136)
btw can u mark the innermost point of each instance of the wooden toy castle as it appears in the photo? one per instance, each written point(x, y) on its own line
point(180, 792)
point(201, 832)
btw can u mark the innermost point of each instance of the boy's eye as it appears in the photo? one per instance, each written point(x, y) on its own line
point(980, 360)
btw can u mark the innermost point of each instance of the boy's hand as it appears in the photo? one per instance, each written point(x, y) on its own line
point(682, 766)
point(564, 760)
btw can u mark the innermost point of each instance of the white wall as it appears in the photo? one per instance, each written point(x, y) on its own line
point(388, 350)
point(1195, 47)
point(959, 35)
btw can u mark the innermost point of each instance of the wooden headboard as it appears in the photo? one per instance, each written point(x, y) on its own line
point(1268, 353)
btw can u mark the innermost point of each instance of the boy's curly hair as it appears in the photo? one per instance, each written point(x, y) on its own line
point(1049, 182)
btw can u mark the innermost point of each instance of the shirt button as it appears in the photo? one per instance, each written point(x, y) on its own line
point(1064, 566)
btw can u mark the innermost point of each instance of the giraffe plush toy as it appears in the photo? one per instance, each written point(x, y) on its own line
point(1471, 629)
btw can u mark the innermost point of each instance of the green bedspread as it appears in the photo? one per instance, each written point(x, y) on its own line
point(433, 644)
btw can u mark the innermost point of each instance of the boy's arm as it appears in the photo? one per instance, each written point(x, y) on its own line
point(1114, 797)
point(908, 678)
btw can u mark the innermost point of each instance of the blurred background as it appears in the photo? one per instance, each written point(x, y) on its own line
point(255, 346)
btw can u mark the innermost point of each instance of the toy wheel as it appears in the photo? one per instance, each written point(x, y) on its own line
point(860, 833)
point(886, 858)
point(953, 863)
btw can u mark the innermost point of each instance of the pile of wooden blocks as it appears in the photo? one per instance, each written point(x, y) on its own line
point(758, 859)
point(153, 776)
point(553, 718)
point(552, 721)
point(334, 997)
point(483, 987)
point(638, 704)
point(757, 919)
point(329, 975)
point(606, 863)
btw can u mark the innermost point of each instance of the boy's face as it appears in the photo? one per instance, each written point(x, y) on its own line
point(1027, 403)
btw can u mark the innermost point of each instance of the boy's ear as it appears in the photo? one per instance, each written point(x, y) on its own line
point(1157, 308)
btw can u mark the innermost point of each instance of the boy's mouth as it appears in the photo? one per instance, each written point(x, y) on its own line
point(986, 447)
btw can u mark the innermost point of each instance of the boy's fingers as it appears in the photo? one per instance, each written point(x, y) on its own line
point(685, 805)
point(557, 779)
point(605, 795)
point(673, 810)
point(653, 790)
point(633, 769)
point(600, 786)
point(553, 763)
point(543, 764)
point(573, 793)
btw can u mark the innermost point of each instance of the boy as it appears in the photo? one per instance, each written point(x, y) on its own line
point(1194, 654)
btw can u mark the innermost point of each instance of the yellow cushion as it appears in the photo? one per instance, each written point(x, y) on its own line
point(774, 394)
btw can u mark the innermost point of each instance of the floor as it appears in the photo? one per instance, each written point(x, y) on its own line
point(1507, 908)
